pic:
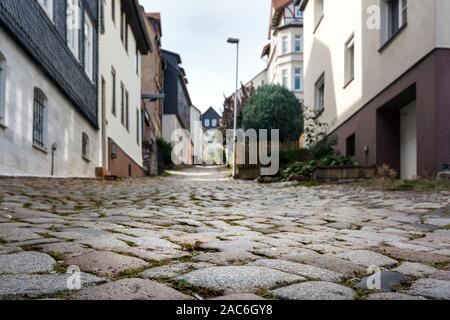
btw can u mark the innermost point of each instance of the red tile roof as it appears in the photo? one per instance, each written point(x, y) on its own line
point(280, 4)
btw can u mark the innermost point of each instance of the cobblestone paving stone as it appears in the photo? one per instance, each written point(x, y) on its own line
point(198, 234)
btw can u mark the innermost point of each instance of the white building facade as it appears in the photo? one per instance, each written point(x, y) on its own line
point(122, 42)
point(284, 53)
point(48, 92)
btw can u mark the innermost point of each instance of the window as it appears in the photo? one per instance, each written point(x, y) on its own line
point(88, 47)
point(47, 5)
point(113, 74)
point(2, 89)
point(127, 111)
point(136, 61)
point(39, 119)
point(298, 79)
point(138, 121)
point(320, 94)
point(318, 12)
point(395, 16)
point(298, 43)
point(349, 60)
point(351, 146)
point(214, 122)
point(73, 22)
point(207, 123)
point(122, 104)
point(124, 30)
point(285, 45)
point(298, 12)
point(113, 10)
point(285, 78)
point(85, 146)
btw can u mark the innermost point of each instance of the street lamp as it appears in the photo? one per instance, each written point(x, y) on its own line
point(236, 42)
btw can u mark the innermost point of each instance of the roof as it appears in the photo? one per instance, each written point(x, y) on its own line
point(266, 51)
point(155, 16)
point(212, 111)
point(279, 6)
point(135, 14)
point(178, 57)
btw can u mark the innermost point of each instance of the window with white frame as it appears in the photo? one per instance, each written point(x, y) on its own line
point(214, 122)
point(284, 44)
point(85, 152)
point(40, 106)
point(138, 126)
point(285, 78)
point(47, 5)
point(395, 15)
point(318, 11)
point(113, 10)
point(2, 89)
point(349, 60)
point(207, 123)
point(319, 104)
point(136, 60)
point(298, 79)
point(298, 43)
point(73, 26)
point(89, 47)
point(298, 12)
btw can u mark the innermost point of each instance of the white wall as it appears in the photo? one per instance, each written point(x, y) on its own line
point(114, 55)
point(65, 123)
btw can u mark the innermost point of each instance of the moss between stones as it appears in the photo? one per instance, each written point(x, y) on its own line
point(184, 287)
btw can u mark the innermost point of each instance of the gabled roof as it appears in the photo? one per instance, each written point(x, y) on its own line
point(212, 111)
point(135, 14)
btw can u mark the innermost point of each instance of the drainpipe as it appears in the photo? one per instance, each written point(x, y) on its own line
point(54, 147)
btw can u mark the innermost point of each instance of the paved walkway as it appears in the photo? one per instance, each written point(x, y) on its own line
point(199, 235)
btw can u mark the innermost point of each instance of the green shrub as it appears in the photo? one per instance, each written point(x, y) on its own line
point(333, 161)
point(165, 149)
point(274, 107)
point(303, 171)
point(324, 148)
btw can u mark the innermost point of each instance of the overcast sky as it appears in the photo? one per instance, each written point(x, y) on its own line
point(198, 30)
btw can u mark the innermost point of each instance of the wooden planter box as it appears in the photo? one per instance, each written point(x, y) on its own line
point(344, 172)
point(248, 173)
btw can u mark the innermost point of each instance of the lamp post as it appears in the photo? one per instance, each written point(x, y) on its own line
point(236, 42)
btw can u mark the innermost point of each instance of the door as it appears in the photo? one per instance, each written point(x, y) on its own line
point(408, 142)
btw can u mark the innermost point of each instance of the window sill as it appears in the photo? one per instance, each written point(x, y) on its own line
point(41, 149)
point(392, 38)
point(348, 83)
point(318, 113)
point(318, 23)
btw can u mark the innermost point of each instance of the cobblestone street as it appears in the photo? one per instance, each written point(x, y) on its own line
point(196, 234)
